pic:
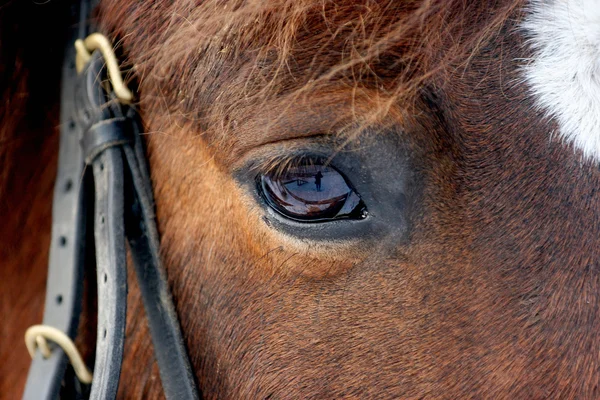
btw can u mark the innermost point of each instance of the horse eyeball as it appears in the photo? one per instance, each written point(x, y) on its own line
point(311, 192)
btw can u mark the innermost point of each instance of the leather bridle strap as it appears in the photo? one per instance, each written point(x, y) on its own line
point(104, 130)
point(124, 206)
point(110, 136)
point(69, 219)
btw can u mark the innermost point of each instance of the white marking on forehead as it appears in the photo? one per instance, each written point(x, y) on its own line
point(564, 73)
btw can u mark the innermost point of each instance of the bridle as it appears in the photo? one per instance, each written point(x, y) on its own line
point(102, 185)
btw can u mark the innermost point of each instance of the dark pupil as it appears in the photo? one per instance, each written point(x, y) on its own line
point(312, 193)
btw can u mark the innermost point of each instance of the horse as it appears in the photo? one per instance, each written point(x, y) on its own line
point(451, 251)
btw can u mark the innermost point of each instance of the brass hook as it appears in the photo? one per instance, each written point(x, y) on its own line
point(97, 41)
point(35, 337)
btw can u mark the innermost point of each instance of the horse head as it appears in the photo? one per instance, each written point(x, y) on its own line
point(367, 199)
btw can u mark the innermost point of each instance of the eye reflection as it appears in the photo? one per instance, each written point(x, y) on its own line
point(311, 192)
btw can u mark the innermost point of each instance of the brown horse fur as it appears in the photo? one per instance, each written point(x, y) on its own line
point(494, 294)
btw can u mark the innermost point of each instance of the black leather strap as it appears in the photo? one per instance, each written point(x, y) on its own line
point(67, 249)
point(100, 132)
point(113, 145)
point(103, 135)
point(104, 129)
point(175, 371)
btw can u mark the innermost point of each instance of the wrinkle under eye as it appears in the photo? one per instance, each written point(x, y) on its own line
point(311, 192)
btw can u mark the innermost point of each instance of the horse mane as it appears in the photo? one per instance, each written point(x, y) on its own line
point(214, 64)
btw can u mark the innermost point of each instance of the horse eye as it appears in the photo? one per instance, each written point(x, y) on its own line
point(311, 192)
